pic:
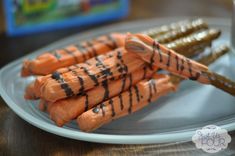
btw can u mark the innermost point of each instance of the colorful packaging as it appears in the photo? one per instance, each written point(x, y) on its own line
point(29, 16)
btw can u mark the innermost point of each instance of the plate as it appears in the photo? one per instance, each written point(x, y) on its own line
point(172, 118)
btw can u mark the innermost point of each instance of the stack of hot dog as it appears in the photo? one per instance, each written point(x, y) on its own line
point(114, 75)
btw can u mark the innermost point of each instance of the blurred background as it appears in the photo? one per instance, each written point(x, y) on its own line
point(26, 25)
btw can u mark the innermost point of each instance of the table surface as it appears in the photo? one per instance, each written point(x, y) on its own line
point(18, 137)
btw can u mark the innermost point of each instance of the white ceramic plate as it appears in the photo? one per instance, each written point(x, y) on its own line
point(171, 118)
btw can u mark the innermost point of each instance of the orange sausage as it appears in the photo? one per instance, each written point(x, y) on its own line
point(189, 46)
point(29, 92)
point(63, 111)
point(32, 90)
point(48, 62)
point(77, 53)
point(127, 102)
point(77, 81)
point(156, 54)
point(162, 89)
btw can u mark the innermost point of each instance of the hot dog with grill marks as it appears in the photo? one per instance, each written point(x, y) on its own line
point(48, 62)
point(108, 111)
point(64, 110)
point(192, 40)
point(76, 53)
point(127, 102)
point(156, 54)
point(189, 45)
point(86, 77)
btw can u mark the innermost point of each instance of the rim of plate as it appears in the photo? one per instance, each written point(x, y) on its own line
point(175, 136)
